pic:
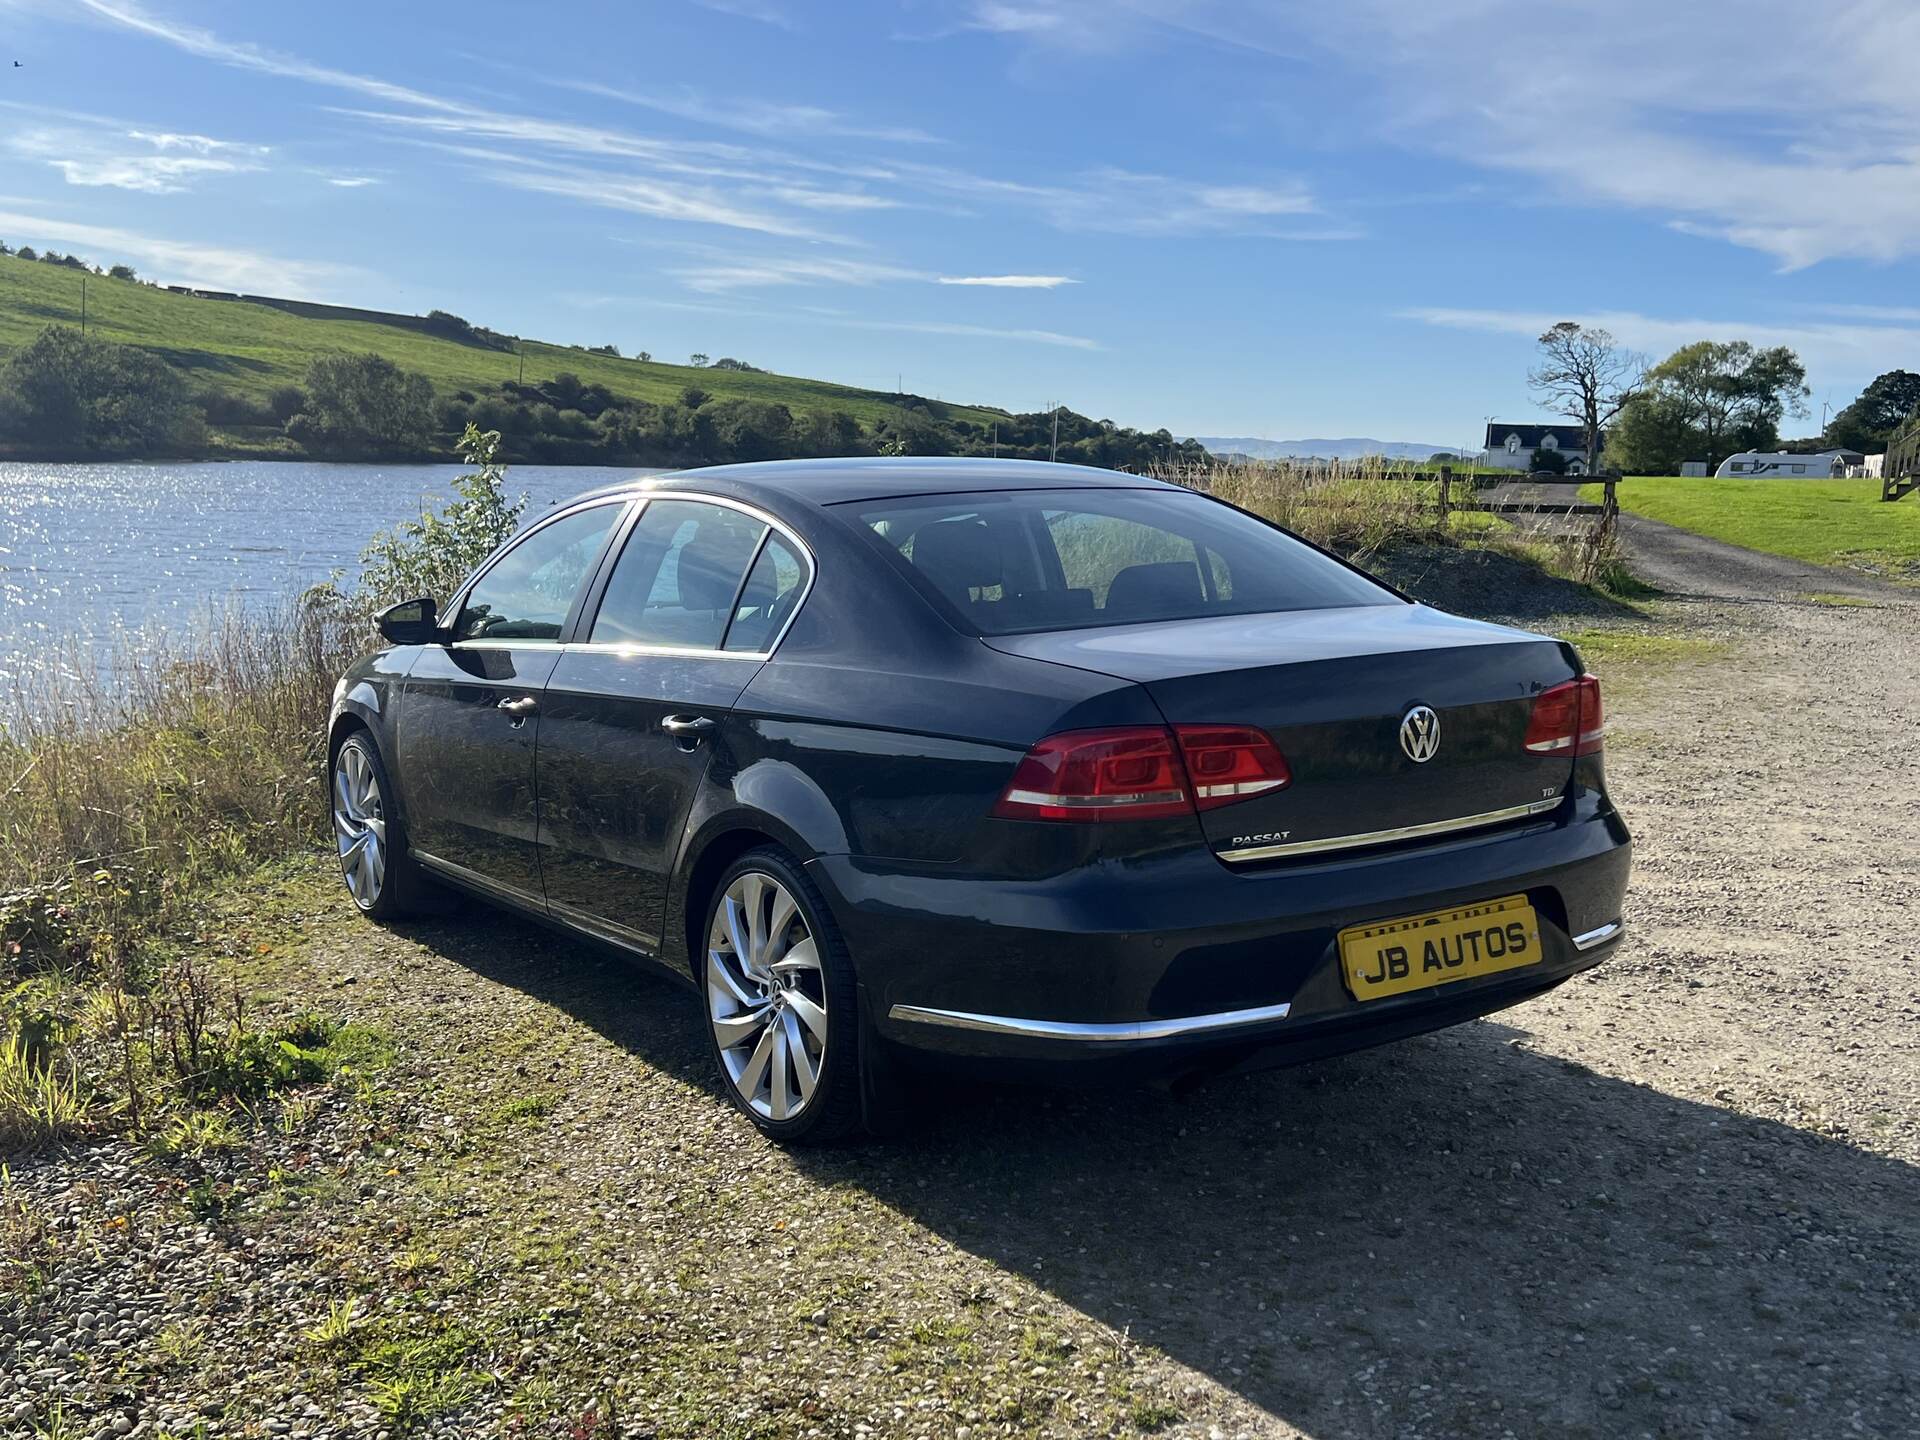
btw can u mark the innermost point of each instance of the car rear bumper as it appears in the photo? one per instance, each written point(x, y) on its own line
point(1180, 963)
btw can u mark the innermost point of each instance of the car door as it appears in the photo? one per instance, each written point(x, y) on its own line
point(470, 716)
point(690, 607)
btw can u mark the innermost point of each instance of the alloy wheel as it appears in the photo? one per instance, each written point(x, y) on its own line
point(766, 996)
point(359, 825)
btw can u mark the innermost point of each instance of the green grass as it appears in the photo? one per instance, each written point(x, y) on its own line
point(250, 349)
point(1827, 522)
point(1614, 649)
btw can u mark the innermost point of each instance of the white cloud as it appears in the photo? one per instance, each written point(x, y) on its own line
point(105, 155)
point(753, 116)
point(723, 276)
point(212, 267)
point(981, 332)
point(764, 11)
point(1010, 282)
point(351, 182)
point(1843, 350)
point(808, 198)
point(1129, 202)
point(1008, 19)
point(1781, 126)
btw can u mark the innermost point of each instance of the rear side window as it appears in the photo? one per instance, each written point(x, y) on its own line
point(1022, 560)
point(677, 577)
point(774, 587)
point(528, 591)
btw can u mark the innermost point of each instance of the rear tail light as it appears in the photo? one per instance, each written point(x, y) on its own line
point(1230, 762)
point(1567, 719)
point(1141, 773)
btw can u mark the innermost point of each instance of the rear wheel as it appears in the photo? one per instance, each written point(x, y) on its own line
point(382, 878)
point(781, 1007)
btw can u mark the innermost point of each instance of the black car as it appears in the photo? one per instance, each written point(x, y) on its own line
point(911, 762)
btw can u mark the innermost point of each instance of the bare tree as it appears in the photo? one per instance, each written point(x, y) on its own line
point(1585, 375)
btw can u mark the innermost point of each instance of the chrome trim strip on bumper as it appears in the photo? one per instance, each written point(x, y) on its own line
point(1123, 1031)
point(1609, 931)
point(1387, 837)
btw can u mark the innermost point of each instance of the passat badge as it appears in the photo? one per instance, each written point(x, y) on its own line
point(1420, 734)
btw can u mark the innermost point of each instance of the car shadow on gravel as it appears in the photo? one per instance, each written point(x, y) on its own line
point(1456, 1234)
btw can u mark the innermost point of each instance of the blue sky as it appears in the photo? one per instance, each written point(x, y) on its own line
point(1228, 218)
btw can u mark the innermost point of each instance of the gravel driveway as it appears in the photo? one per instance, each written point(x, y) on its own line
point(1677, 1197)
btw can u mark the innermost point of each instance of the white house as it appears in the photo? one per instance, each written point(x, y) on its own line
point(1774, 464)
point(1511, 447)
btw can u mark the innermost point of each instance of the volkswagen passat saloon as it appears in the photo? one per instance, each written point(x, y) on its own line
point(1034, 767)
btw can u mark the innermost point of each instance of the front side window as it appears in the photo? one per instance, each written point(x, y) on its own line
point(677, 576)
point(528, 591)
point(1023, 560)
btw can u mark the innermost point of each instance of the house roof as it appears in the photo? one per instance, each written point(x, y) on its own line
point(1565, 437)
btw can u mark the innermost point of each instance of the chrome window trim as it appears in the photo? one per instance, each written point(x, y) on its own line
point(1117, 1032)
point(1612, 930)
point(1386, 837)
point(773, 523)
point(513, 542)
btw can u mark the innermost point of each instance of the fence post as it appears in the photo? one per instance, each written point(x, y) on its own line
point(1446, 495)
point(1609, 505)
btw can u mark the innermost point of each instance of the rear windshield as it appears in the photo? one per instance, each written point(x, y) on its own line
point(1021, 560)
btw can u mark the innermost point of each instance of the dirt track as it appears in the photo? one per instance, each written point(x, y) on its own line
point(1678, 1197)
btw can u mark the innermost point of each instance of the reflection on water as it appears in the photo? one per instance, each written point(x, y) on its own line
point(94, 558)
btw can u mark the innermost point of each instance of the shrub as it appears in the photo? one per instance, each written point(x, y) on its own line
point(432, 555)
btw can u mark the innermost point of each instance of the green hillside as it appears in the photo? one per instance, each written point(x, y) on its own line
point(249, 349)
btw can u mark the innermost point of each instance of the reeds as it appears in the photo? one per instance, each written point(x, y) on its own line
point(121, 798)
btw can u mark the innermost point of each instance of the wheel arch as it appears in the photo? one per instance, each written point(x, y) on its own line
point(705, 858)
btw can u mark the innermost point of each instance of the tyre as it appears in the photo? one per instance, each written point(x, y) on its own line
point(782, 1012)
point(384, 881)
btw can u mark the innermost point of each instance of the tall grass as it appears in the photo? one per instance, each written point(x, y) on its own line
point(1362, 508)
point(121, 800)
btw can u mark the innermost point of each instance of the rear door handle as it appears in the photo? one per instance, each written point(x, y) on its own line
point(689, 730)
point(518, 710)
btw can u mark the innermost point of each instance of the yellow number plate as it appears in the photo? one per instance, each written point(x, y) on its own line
point(1396, 956)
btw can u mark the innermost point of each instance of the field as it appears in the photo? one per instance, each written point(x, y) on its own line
point(1827, 522)
point(250, 349)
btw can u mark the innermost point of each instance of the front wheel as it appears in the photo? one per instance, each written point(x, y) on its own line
point(382, 878)
point(781, 1006)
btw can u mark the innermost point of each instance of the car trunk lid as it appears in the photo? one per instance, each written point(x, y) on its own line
point(1334, 689)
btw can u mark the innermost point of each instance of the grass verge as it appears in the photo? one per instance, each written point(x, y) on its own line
point(1826, 522)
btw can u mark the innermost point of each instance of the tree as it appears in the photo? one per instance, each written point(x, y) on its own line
point(698, 360)
point(1554, 461)
point(1707, 401)
point(643, 355)
point(66, 391)
point(1881, 409)
point(364, 405)
point(1585, 375)
point(122, 272)
point(693, 397)
point(25, 252)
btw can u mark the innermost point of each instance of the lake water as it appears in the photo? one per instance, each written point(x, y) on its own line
point(93, 557)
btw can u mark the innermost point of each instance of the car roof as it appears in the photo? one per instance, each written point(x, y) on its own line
point(833, 482)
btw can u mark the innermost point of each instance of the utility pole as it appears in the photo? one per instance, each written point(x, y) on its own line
point(522, 348)
point(1053, 453)
point(83, 305)
point(996, 440)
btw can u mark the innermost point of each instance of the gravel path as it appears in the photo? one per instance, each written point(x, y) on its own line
point(1677, 1197)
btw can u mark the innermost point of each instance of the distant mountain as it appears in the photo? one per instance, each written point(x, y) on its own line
point(1351, 448)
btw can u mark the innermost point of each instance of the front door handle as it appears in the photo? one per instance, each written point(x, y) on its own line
point(518, 710)
point(689, 730)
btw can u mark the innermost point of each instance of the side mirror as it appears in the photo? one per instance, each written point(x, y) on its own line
point(411, 622)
